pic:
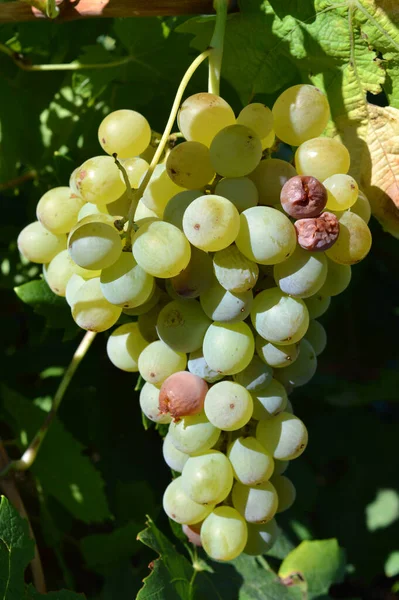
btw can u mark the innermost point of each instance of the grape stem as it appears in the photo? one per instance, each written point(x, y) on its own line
point(30, 454)
point(215, 58)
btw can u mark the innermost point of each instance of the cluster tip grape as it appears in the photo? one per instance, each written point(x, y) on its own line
point(229, 259)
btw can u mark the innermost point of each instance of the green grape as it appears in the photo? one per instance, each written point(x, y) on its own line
point(38, 245)
point(75, 282)
point(318, 304)
point(266, 236)
point(255, 377)
point(58, 209)
point(91, 311)
point(220, 305)
point(202, 116)
point(321, 158)
point(280, 466)
point(172, 456)
point(362, 207)
point(275, 355)
point(189, 165)
point(235, 151)
point(250, 461)
point(289, 408)
point(234, 271)
point(142, 212)
point(286, 492)
point(211, 223)
point(193, 434)
point(303, 369)
point(269, 401)
point(268, 141)
point(197, 365)
point(196, 278)
point(338, 279)
point(177, 205)
point(279, 318)
point(94, 243)
point(124, 132)
point(180, 508)
point(228, 405)
point(256, 504)
point(157, 361)
point(152, 301)
point(61, 269)
point(125, 283)
point(182, 325)
point(124, 347)
point(136, 168)
point(258, 117)
point(342, 192)
point(160, 249)
point(89, 208)
point(160, 190)
point(148, 320)
point(224, 534)
point(121, 206)
point(261, 537)
point(98, 181)
point(302, 274)
point(354, 240)
point(269, 177)
point(284, 436)
point(228, 347)
point(207, 478)
point(241, 191)
point(316, 336)
point(149, 404)
point(300, 113)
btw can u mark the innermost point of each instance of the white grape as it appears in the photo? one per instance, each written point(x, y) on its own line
point(58, 209)
point(235, 151)
point(193, 434)
point(241, 191)
point(125, 283)
point(90, 310)
point(256, 504)
point(207, 477)
point(124, 347)
point(269, 401)
point(279, 318)
point(228, 405)
point(302, 274)
point(211, 223)
point(38, 245)
point(228, 347)
point(157, 361)
point(149, 404)
point(284, 436)
point(124, 132)
point(234, 271)
point(202, 116)
point(250, 461)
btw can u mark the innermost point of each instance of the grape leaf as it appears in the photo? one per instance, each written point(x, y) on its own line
point(16, 551)
point(61, 467)
point(108, 548)
point(32, 594)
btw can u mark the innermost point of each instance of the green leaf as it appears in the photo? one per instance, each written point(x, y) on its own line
point(62, 468)
point(391, 566)
point(314, 566)
point(32, 594)
point(383, 511)
point(16, 551)
point(108, 548)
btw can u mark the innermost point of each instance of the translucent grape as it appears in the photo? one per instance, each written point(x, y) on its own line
point(207, 478)
point(158, 361)
point(136, 168)
point(142, 212)
point(220, 305)
point(94, 243)
point(125, 132)
point(172, 456)
point(256, 504)
point(235, 151)
point(149, 404)
point(317, 305)
point(61, 269)
point(279, 318)
point(362, 207)
point(302, 370)
point(228, 347)
point(250, 461)
point(316, 336)
point(224, 534)
point(342, 191)
point(160, 190)
point(301, 112)
point(198, 366)
point(228, 405)
point(274, 355)
point(90, 310)
point(98, 181)
point(152, 301)
point(234, 271)
point(268, 141)
point(182, 325)
point(255, 377)
point(148, 320)
point(269, 401)
point(269, 177)
point(74, 283)
point(160, 249)
point(202, 116)
point(354, 240)
point(89, 208)
point(119, 207)
point(286, 492)
point(124, 347)
point(338, 279)
point(258, 117)
point(193, 434)
point(261, 537)
point(125, 283)
point(266, 236)
point(211, 223)
point(302, 274)
point(177, 205)
point(241, 191)
point(280, 466)
point(284, 436)
point(196, 278)
point(189, 165)
point(321, 158)
point(179, 506)
point(58, 209)
point(38, 245)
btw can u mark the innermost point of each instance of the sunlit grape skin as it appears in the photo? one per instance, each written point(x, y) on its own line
point(202, 116)
point(39, 245)
point(124, 132)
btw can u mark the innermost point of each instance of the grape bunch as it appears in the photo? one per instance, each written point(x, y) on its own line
point(221, 265)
